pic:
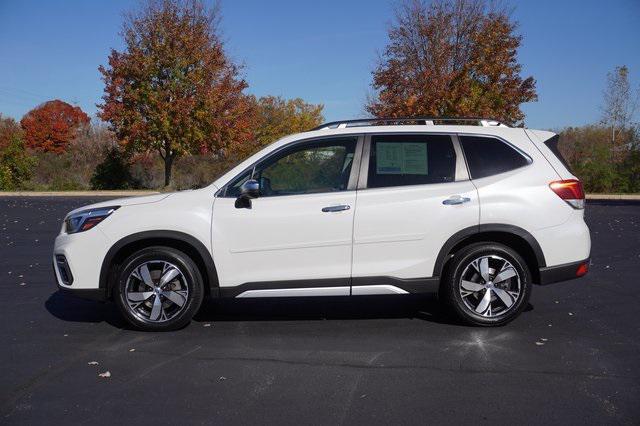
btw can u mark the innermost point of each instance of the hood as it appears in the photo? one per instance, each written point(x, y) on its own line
point(129, 201)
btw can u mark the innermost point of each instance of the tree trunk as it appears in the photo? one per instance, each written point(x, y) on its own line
point(168, 163)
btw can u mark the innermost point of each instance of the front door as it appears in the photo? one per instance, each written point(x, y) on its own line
point(296, 237)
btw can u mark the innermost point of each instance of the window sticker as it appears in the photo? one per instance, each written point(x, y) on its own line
point(401, 158)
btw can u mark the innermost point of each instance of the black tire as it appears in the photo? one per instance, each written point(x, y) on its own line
point(452, 286)
point(188, 283)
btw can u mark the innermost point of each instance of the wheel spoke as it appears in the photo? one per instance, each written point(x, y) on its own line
point(505, 275)
point(145, 275)
point(139, 296)
point(505, 296)
point(177, 297)
point(156, 310)
point(485, 303)
point(168, 276)
point(471, 286)
point(482, 266)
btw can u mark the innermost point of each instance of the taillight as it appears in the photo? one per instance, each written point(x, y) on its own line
point(582, 269)
point(569, 190)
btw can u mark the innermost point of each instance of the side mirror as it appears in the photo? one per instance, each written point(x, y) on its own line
point(248, 191)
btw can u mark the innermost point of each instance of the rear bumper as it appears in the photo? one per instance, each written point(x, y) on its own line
point(565, 272)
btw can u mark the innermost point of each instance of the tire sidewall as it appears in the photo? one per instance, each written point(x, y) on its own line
point(462, 260)
point(192, 277)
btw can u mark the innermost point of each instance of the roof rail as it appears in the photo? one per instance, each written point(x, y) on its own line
point(429, 121)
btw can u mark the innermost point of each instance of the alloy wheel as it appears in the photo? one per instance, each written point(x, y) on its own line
point(490, 286)
point(156, 291)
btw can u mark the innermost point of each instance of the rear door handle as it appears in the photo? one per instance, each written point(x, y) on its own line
point(336, 208)
point(455, 199)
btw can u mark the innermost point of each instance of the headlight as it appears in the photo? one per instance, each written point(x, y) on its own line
point(87, 219)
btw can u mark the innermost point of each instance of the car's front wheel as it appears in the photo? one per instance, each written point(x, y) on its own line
point(159, 289)
point(488, 284)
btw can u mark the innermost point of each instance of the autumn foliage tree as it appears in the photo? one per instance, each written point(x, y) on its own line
point(173, 90)
point(275, 117)
point(8, 130)
point(51, 126)
point(451, 58)
point(15, 162)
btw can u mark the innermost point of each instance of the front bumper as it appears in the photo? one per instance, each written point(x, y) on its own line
point(77, 261)
point(95, 294)
point(565, 272)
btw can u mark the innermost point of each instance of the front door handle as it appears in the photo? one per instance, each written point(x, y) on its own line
point(455, 199)
point(336, 208)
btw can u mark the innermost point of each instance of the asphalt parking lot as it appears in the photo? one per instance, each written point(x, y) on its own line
point(572, 357)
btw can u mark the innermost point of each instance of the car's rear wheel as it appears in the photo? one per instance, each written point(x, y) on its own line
point(158, 289)
point(487, 284)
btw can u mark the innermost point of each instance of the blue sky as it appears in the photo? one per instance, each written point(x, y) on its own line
point(320, 51)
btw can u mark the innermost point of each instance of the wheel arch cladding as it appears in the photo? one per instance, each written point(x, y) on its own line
point(174, 239)
point(511, 236)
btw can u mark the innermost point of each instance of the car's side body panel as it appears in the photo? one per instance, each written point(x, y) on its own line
point(522, 198)
point(390, 240)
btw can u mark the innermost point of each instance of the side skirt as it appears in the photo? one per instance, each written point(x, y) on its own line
point(358, 286)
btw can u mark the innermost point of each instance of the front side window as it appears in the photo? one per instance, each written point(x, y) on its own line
point(314, 167)
point(488, 156)
point(398, 160)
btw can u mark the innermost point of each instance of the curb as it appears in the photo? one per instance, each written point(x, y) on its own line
point(613, 197)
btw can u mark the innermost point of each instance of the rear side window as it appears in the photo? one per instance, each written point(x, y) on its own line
point(552, 144)
point(489, 156)
point(398, 160)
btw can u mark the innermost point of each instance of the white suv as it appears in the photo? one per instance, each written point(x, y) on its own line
point(472, 209)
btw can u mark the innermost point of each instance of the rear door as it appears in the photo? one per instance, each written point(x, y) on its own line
point(414, 193)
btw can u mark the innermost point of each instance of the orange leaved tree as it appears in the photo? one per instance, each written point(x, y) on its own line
point(451, 58)
point(52, 125)
point(173, 90)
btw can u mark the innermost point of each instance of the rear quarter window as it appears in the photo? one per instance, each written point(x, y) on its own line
point(487, 156)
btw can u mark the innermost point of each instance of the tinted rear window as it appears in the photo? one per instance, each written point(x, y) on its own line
point(489, 156)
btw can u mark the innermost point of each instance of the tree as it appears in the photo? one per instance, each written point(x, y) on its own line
point(619, 105)
point(451, 58)
point(113, 172)
point(15, 164)
point(276, 117)
point(173, 90)
point(52, 125)
point(8, 129)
